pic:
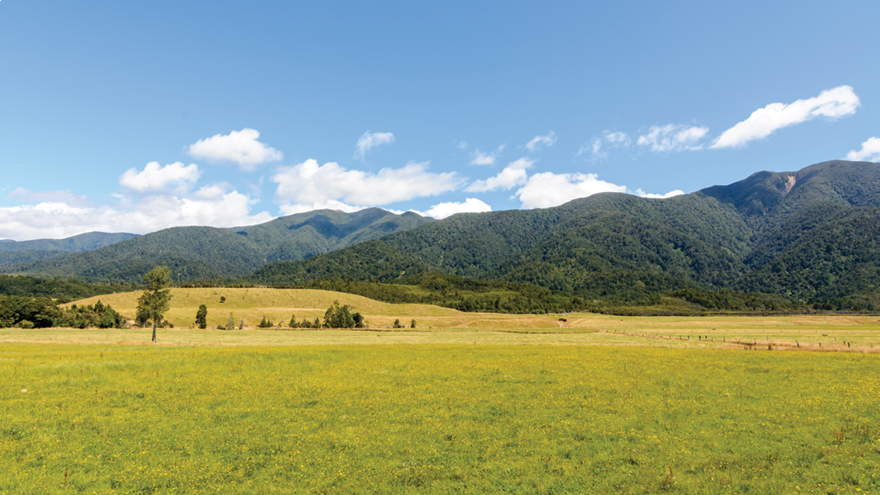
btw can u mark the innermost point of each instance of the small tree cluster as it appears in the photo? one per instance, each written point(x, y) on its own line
point(28, 312)
point(266, 323)
point(342, 317)
point(42, 312)
point(99, 315)
point(305, 323)
point(230, 324)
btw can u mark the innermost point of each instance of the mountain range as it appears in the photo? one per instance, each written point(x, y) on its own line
point(808, 235)
point(198, 253)
point(13, 252)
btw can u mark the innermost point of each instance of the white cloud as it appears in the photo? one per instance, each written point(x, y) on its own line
point(290, 209)
point(832, 103)
point(54, 219)
point(156, 178)
point(513, 175)
point(309, 183)
point(239, 147)
point(616, 137)
point(213, 191)
point(27, 196)
point(480, 158)
point(443, 210)
point(594, 147)
point(462, 145)
point(670, 194)
point(673, 137)
point(870, 151)
point(371, 140)
point(547, 189)
point(611, 140)
point(548, 140)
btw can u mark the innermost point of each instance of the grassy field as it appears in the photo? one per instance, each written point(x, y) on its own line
point(466, 403)
point(436, 419)
point(279, 305)
point(814, 332)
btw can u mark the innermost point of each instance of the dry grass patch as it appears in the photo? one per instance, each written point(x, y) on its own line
point(278, 305)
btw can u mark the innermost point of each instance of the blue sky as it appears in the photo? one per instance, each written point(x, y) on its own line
point(136, 116)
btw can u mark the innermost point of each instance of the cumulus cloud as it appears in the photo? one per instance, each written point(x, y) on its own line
point(241, 148)
point(832, 103)
point(58, 219)
point(670, 194)
point(480, 158)
point(547, 189)
point(309, 183)
point(548, 140)
point(598, 146)
point(513, 175)
point(156, 178)
point(673, 137)
point(870, 151)
point(27, 196)
point(212, 191)
point(370, 140)
point(443, 210)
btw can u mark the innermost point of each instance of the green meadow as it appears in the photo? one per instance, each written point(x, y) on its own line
point(108, 418)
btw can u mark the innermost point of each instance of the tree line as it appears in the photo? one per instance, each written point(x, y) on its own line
point(43, 312)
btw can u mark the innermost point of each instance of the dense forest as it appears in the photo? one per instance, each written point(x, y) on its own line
point(809, 237)
point(24, 252)
point(43, 312)
point(61, 290)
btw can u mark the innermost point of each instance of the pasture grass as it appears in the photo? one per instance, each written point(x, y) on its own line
point(436, 419)
point(814, 332)
point(252, 304)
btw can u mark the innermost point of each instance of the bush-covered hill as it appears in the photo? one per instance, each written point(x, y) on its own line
point(195, 253)
point(13, 252)
point(809, 235)
point(60, 290)
point(82, 242)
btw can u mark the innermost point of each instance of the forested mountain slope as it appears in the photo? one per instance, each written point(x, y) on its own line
point(213, 253)
point(17, 252)
point(808, 235)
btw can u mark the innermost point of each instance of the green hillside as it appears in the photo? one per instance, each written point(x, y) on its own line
point(15, 253)
point(809, 236)
point(82, 242)
point(29, 256)
point(199, 253)
point(61, 290)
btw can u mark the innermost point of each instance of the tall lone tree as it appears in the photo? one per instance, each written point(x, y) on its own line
point(156, 299)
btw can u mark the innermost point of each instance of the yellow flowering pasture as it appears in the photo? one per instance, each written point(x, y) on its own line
point(436, 419)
